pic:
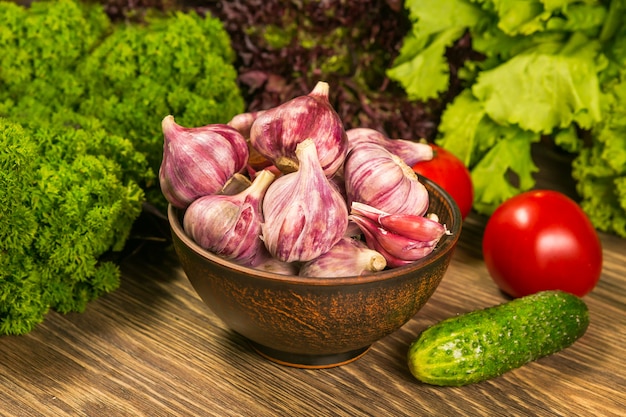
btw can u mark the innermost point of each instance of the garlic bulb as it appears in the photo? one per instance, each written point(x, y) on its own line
point(401, 239)
point(243, 122)
point(304, 213)
point(376, 177)
point(349, 257)
point(199, 161)
point(276, 132)
point(265, 262)
point(409, 151)
point(230, 226)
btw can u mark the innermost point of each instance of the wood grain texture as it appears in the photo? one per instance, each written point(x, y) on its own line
point(152, 348)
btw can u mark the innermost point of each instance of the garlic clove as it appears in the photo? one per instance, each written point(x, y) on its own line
point(230, 225)
point(423, 228)
point(400, 238)
point(198, 161)
point(414, 227)
point(349, 257)
point(305, 215)
point(411, 152)
point(397, 249)
point(378, 178)
point(392, 261)
point(404, 248)
point(372, 242)
point(276, 132)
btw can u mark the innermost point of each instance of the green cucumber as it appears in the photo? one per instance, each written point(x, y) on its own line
point(486, 343)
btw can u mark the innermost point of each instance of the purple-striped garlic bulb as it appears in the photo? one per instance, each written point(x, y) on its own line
point(349, 257)
point(381, 179)
point(230, 225)
point(199, 161)
point(305, 215)
point(276, 132)
point(411, 152)
point(243, 122)
point(400, 238)
point(266, 262)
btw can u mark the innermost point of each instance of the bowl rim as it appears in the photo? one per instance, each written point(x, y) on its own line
point(445, 245)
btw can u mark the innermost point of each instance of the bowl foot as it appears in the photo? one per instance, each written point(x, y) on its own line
point(308, 361)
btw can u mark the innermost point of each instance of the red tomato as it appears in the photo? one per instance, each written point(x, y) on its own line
point(542, 240)
point(450, 173)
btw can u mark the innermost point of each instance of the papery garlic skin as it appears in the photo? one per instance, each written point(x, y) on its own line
point(376, 177)
point(305, 215)
point(276, 133)
point(236, 184)
point(349, 257)
point(230, 226)
point(409, 151)
point(198, 161)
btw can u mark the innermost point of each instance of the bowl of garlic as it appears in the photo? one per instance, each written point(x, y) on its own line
point(311, 241)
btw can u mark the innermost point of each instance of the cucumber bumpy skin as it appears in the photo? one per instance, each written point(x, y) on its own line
point(486, 343)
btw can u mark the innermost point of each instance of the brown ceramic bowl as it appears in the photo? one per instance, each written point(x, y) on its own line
point(316, 322)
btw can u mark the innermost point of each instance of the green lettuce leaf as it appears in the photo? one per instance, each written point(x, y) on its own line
point(499, 155)
point(506, 170)
point(545, 88)
point(521, 17)
point(568, 139)
point(462, 129)
point(421, 67)
point(600, 169)
point(528, 17)
point(427, 64)
point(603, 191)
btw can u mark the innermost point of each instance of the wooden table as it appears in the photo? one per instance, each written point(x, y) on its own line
point(152, 348)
